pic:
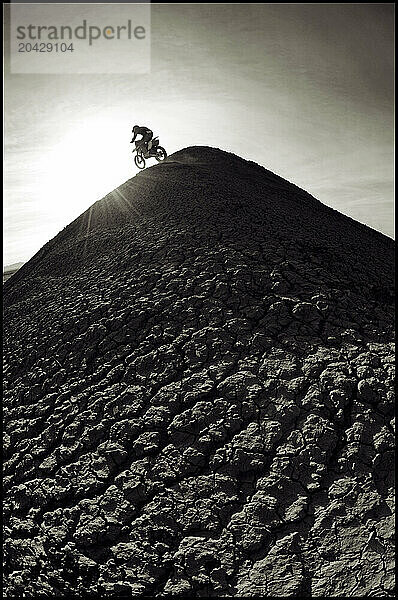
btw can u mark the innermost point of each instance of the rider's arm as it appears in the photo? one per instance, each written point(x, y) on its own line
point(135, 135)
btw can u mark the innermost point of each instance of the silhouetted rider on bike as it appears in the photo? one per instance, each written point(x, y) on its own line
point(147, 147)
point(146, 134)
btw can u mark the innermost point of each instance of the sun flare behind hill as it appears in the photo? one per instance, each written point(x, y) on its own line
point(89, 162)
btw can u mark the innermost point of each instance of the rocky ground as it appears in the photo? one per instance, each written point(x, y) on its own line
point(198, 395)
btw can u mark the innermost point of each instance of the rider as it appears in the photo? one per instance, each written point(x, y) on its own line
point(146, 134)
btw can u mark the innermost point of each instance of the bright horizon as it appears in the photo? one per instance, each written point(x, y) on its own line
point(257, 80)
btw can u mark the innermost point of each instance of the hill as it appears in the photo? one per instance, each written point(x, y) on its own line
point(9, 270)
point(199, 394)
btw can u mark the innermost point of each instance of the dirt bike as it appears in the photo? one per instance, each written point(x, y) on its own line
point(152, 150)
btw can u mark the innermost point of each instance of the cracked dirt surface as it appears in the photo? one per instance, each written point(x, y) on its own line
point(199, 395)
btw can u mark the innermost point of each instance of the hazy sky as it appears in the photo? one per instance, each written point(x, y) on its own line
point(305, 90)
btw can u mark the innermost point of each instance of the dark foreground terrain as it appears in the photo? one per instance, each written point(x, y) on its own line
point(198, 395)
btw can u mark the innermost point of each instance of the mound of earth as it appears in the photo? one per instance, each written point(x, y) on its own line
point(199, 394)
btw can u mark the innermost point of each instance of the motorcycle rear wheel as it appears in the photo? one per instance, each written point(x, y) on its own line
point(161, 154)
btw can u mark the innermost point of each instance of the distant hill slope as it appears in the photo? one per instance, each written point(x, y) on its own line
point(199, 394)
point(9, 270)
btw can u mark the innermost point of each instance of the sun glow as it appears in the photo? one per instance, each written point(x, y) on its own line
point(89, 162)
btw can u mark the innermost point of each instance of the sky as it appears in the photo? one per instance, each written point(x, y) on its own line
point(305, 90)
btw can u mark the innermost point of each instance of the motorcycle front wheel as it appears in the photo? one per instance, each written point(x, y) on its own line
point(161, 154)
point(139, 161)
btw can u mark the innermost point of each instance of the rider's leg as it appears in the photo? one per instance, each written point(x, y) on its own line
point(146, 139)
point(140, 146)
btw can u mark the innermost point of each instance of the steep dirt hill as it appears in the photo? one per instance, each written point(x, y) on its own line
point(198, 394)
